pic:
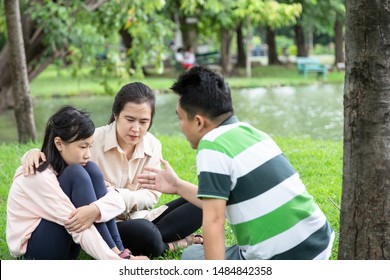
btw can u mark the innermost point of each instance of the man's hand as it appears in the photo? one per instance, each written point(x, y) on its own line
point(166, 181)
point(162, 180)
point(82, 218)
point(31, 162)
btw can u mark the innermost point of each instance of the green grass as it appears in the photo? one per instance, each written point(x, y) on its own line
point(318, 162)
point(60, 82)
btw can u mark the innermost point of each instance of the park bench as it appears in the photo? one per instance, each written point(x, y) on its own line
point(211, 60)
point(208, 58)
point(307, 64)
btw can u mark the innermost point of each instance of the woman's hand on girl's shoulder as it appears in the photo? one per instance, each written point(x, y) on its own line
point(31, 161)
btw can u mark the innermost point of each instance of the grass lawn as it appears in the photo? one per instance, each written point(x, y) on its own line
point(57, 82)
point(318, 162)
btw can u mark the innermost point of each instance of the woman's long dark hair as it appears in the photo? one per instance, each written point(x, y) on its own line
point(70, 125)
point(134, 93)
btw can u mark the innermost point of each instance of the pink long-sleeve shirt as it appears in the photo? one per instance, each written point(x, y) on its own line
point(33, 198)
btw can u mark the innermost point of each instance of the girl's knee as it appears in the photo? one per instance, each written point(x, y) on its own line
point(74, 171)
point(93, 170)
point(72, 175)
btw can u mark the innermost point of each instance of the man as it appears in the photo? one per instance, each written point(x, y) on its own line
point(244, 176)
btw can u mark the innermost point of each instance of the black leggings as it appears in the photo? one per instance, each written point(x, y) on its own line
point(51, 241)
point(143, 237)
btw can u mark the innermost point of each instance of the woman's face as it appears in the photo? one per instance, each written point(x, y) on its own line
point(76, 152)
point(132, 123)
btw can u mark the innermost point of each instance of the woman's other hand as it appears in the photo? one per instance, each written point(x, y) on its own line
point(31, 161)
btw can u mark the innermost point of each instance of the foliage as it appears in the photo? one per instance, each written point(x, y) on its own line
point(319, 15)
point(270, 13)
point(283, 42)
point(2, 18)
point(83, 31)
point(217, 15)
point(321, 49)
point(86, 32)
point(226, 12)
point(151, 35)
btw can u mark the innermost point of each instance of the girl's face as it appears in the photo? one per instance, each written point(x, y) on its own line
point(75, 152)
point(132, 123)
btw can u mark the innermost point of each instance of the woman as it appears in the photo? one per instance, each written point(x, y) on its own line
point(41, 209)
point(122, 149)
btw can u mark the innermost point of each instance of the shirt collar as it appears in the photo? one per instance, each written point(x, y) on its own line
point(230, 120)
point(110, 141)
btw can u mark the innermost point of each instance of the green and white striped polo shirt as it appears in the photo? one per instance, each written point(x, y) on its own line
point(268, 207)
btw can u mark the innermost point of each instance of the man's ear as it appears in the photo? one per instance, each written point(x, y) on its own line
point(200, 121)
point(59, 144)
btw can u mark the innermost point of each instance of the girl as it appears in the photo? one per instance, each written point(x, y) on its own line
point(42, 219)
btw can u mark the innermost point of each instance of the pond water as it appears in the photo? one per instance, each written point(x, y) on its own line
point(314, 111)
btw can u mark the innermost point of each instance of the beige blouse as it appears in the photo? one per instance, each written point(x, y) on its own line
point(121, 173)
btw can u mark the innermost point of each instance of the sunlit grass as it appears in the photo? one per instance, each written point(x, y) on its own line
point(318, 162)
point(59, 82)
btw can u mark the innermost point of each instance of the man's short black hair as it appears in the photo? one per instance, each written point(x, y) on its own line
point(202, 91)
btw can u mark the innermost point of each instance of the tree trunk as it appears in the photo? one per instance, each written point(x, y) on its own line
point(127, 41)
point(339, 40)
point(241, 53)
point(189, 31)
point(365, 207)
point(226, 41)
point(6, 100)
point(20, 84)
point(272, 52)
point(300, 41)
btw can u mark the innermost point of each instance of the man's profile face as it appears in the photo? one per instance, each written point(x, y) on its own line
point(188, 127)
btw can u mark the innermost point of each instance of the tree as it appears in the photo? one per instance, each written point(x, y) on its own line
point(339, 34)
point(20, 85)
point(224, 16)
point(273, 15)
point(53, 30)
point(303, 24)
point(365, 207)
point(240, 43)
point(272, 49)
point(324, 17)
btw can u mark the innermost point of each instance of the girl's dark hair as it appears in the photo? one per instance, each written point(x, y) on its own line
point(203, 91)
point(135, 93)
point(70, 125)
